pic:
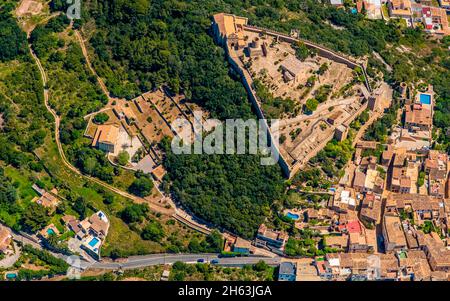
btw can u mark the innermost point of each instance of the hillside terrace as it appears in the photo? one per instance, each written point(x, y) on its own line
point(139, 126)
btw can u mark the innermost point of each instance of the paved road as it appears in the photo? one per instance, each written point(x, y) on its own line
point(9, 261)
point(158, 259)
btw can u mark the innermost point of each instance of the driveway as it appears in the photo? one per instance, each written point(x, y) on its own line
point(10, 260)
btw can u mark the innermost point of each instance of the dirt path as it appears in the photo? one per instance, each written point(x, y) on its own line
point(88, 61)
point(136, 199)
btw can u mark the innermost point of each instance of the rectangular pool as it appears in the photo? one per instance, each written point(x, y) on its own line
point(94, 242)
point(425, 99)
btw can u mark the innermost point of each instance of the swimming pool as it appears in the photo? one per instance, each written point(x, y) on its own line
point(425, 99)
point(50, 232)
point(11, 276)
point(94, 242)
point(292, 216)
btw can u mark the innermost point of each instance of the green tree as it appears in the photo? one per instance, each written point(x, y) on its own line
point(134, 213)
point(101, 118)
point(311, 105)
point(123, 158)
point(153, 231)
point(80, 206)
point(142, 186)
point(35, 218)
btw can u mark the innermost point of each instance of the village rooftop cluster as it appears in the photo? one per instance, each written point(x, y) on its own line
point(429, 15)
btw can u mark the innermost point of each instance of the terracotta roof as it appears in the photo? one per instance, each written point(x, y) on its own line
point(418, 115)
point(359, 179)
point(242, 243)
point(439, 256)
point(354, 227)
point(337, 240)
point(74, 225)
point(371, 207)
point(394, 231)
point(47, 200)
point(68, 218)
point(98, 225)
point(106, 134)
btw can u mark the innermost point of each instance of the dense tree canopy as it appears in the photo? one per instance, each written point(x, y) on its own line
point(234, 192)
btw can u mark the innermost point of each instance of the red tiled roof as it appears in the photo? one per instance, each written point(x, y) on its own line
point(353, 227)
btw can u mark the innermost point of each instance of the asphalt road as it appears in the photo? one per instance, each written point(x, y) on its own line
point(158, 259)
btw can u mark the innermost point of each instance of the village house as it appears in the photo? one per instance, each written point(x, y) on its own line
point(5, 239)
point(270, 237)
point(400, 180)
point(90, 232)
point(95, 229)
point(73, 225)
point(371, 208)
point(423, 207)
point(369, 162)
point(362, 266)
point(446, 216)
point(97, 225)
point(242, 246)
point(106, 137)
point(413, 265)
point(435, 20)
point(436, 165)
point(344, 200)
point(360, 238)
point(287, 271)
point(445, 4)
point(369, 181)
point(437, 254)
point(311, 214)
point(394, 238)
point(399, 8)
point(337, 3)
point(418, 117)
point(326, 215)
point(436, 188)
point(372, 8)
point(337, 242)
point(323, 268)
point(367, 145)
point(387, 155)
point(46, 199)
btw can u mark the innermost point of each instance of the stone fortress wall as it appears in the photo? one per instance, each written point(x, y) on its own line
point(232, 57)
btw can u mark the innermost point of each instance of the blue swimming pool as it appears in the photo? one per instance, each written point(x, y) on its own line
point(292, 216)
point(11, 276)
point(425, 99)
point(93, 242)
point(50, 232)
